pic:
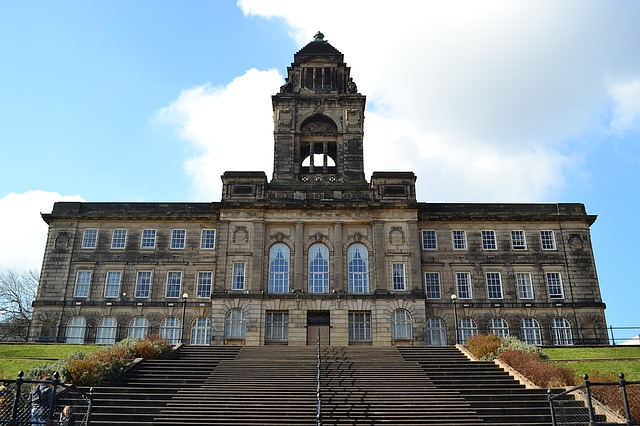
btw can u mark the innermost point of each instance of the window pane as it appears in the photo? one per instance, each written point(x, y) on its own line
point(463, 283)
point(401, 325)
point(499, 327)
point(525, 288)
point(119, 239)
point(208, 239)
point(359, 326)
point(83, 280)
point(518, 240)
point(436, 332)
point(489, 240)
point(398, 276)
point(547, 240)
point(178, 237)
point(170, 330)
point(76, 330)
point(235, 326)
point(459, 239)
point(112, 286)
point(237, 281)
point(201, 331)
point(530, 332)
point(494, 285)
point(148, 240)
point(204, 284)
point(277, 327)
point(89, 238)
point(429, 239)
point(174, 284)
point(432, 285)
point(106, 332)
point(138, 328)
point(143, 284)
point(554, 283)
point(318, 269)
point(561, 332)
point(358, 268)
point(279, 256)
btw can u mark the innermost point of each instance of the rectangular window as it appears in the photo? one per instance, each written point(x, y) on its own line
point(398, 276)
point(119, 239)
point(432, 285)
point(112, 285)
point(208, 239)
point(547, 240)
point(237, 281)
point(523, 283)
point(83, 281)
point(174, 283)
point(178, 237)
point(518, 240)
point(148, 240)
point(143, 284)
point(277, 327)
point(554, 284)
point(489, 240)
point(494, 285)
point(359, 326)
point(204, 284)
point(429, 239)
point(90, 238)
point(459, 238)
point(463, 285)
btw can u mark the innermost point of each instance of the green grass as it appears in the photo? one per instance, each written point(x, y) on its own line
point(16, 357)
point(601, 360)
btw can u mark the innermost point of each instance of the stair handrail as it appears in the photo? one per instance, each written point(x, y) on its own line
point(318, 394)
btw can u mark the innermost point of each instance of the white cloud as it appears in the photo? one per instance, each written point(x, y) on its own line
point(23, 231)
point(231, 128)
point(626, 106)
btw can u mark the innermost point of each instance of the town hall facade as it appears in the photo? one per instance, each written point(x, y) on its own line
point(318, 252)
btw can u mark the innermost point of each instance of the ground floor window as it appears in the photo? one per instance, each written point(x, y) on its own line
point(530, 332)
point(468, 328)
point(235, 326)
point(436, 332)
point(138, 328)
point(277, 327)
point(170, 330)
point(359, 327)
point(401, 324)
point(561, 332)
point(201, 331)
point(106, 332)
point(499, 327)
point(75, 330)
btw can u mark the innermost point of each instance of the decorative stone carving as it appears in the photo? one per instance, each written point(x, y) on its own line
point(396, 236)
point(575, 242)
point(62, 240)
point(284, 117)
point(240, 235)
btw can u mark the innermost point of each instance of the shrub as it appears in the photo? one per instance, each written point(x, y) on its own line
point(484, 346)
point(532, 366)
point(612, 397)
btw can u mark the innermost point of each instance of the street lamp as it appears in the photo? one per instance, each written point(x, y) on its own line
point(454, 300)
point(185, 296)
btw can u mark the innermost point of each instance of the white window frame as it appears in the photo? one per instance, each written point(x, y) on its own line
point(499, 326)
point(208, 239)
point(174, 285)
point(530, 331)
point(204, 285)
point(436, 330)
point(398, 276)
point(178, 239)
point(279, 268)
point(494, 284)
point(359, 326)
point(464, 279)
point(201, 331)
point(170, 330)
point(561, 332)
point(429, 283)
point(555, 289)
point(83, 283)
point(112, 284)
point(119, 239)
point(138, 327)
point(518, 240)
point(106, 331)
point(139, 293)
point(235, 327)
point(489, 241)
point(459, 239)
point(238, 275)
point(524, 286)
point(76, 330)
point(429, 239)
point(90, 238)
point(318, 268)
point(401, 325)
point(148, 241)
point(358, 268)
point(548, 239)
point(468, 327)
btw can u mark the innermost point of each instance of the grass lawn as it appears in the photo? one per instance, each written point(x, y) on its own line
point(16, 357)
point(602, 359)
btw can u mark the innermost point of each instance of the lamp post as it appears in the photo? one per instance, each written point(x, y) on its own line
point(454, 300)
point(185, 296)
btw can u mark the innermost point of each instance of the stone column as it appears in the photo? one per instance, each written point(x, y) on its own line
point(298, 260)
point(380, 249)
point(338, 256)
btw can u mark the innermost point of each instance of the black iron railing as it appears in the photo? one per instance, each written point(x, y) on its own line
point(318, 385)
point(622, 397)
point(21, 404)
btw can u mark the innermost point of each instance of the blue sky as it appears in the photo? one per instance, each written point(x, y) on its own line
point(484, 100)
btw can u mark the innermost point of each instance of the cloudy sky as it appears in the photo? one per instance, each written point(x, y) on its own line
point(484, 100)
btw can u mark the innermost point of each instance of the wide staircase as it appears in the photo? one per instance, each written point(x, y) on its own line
point(276, 385)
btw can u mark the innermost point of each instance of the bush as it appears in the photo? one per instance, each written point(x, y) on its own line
point(612, 397)
point(532, 366)
point(484, 346)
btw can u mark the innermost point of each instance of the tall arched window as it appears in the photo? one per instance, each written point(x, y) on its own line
point(279, 256)
point(436, 332)
point(401, 325)
point(530, 331)
point(358, 268)
point(138, 327)
point(561, 332)
point(170, 330)
point(201, 331)
point(235, 326)
point(318, 268)
point(499, 327)
point(75, 330)
point(106, 332)
point(468, 328)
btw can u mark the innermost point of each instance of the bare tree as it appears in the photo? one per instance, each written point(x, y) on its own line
point(17, 293)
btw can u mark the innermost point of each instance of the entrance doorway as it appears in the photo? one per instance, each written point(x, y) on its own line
point(318, 323)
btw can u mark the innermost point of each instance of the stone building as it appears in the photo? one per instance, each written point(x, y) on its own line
point(318, 251)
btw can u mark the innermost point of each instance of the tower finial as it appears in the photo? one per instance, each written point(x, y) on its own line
point(318, 37)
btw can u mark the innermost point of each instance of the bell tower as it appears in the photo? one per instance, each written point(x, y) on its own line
point(318, 123)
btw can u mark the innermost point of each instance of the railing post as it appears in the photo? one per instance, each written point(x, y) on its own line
point(625, 400)
point(587, 387)
point(613, 339)
point(552, 407)
point(16, 399)
point(318, 396)
point(89, 405)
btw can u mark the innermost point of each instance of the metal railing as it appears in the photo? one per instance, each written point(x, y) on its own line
point(17, 406)
point(622, 397)
point(626, 335)
point(318, 385)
